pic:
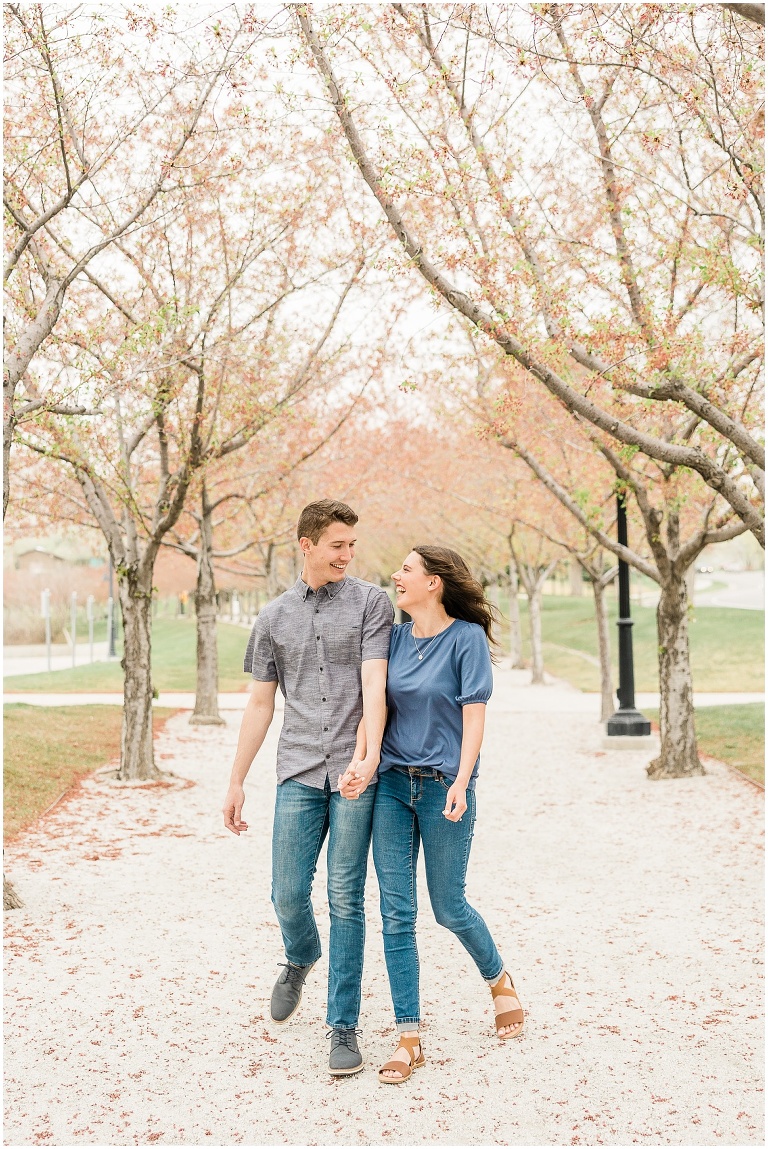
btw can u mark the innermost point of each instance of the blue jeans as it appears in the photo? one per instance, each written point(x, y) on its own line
point(409, 810)
point(304, 817)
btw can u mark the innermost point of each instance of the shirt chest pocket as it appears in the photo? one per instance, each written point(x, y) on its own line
point(344, 644)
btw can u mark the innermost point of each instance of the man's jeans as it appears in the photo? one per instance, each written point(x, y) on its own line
point(304, 816)
point(409, 809)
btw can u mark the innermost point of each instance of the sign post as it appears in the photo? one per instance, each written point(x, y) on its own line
point(89, 615)
point(73, 625)
point(45, 611)
point(111, 614)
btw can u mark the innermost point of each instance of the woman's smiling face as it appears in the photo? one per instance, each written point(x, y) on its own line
point(413, 586)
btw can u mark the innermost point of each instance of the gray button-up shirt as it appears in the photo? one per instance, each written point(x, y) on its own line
point(313, 643)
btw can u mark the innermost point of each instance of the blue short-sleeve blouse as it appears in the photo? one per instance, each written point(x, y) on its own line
point(425, 697)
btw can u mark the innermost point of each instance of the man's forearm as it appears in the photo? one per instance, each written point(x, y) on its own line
point(253, 730)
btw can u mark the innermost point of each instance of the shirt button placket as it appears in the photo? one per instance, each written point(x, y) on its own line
point(323, 697)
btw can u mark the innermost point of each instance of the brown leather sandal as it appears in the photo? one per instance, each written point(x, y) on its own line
point(512, 1016)
point(410, 1044)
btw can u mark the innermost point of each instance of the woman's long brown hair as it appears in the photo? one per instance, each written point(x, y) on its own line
point(463, 596)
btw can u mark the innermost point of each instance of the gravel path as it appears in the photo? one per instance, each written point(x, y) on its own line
point(630, 912)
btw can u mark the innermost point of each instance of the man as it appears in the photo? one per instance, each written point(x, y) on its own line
point(326, 642)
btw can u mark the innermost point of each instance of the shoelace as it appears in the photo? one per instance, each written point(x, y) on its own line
point(294, 975)
point(345, 1036)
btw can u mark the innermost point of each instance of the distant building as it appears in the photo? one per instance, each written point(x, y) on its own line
point(39, 556)
point(37, 560)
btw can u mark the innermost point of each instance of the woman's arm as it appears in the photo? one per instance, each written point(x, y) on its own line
point(360, 744)
point(473, 726)
point(355, 779)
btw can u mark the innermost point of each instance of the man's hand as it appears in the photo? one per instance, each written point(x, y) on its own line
point(355, 779)
point(455, 802)
point(233, 809)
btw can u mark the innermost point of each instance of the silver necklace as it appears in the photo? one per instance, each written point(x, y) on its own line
point(432, 639)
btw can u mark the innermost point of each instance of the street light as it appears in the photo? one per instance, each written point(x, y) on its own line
point(627, 721)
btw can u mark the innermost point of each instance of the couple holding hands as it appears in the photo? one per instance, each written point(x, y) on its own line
point(380, 741)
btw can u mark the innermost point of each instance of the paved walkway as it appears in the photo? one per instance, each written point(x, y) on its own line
point(513, 685)
point(34, 659)
point(739, 590)
point(744, 590)
point(629, 911)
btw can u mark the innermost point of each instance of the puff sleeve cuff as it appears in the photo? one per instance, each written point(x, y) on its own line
point(474, 667)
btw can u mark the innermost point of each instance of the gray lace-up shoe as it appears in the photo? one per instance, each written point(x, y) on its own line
point(287, 992)
point(345, 1053)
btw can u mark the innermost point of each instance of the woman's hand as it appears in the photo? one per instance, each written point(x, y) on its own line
point(455, 802)
point(355, 779)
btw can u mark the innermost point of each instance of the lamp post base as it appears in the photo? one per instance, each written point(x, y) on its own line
point(627, 723)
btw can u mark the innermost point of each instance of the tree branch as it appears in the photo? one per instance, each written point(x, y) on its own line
point(692, 457)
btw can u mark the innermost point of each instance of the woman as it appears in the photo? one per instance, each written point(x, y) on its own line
point(439, 682)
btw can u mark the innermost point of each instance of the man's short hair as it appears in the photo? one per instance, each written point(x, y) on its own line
point(317, 516)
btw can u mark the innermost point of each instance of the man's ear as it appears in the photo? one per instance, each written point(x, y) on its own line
point(305, 544)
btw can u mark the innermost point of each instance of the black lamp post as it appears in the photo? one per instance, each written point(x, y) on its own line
point(626, 721)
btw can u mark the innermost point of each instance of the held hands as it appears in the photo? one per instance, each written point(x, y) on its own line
point(233, 809)
point(455, 802)
point(354, 781)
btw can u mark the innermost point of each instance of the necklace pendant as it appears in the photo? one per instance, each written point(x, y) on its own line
point(420, 657)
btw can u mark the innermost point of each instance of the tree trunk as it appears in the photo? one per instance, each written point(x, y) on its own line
point(272, 575)
point(537, 653)
point(492, 594)
point(11, 900)
point(515, 632)
point(577, 583)
point(607, 706)
point(16, 363)
point(206, 712)
point(679, 757)
point(136, 754)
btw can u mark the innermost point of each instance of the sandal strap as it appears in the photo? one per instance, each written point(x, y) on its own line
point(397, 1067)
point(511, 1017)
point(502, 990)
point(410, 1043)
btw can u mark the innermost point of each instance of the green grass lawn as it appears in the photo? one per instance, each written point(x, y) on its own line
point(734, 734)
point(726, 651)
point(174, 644)
point(726, 644)
point(48, 748)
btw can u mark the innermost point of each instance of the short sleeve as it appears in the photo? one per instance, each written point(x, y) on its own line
point(377, 626)
point(259, 661)
point(475, 672)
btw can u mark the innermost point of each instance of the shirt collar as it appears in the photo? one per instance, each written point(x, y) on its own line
point(331, 588)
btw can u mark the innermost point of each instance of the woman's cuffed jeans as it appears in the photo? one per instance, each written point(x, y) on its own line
point(304, 817)
point(409, 812)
